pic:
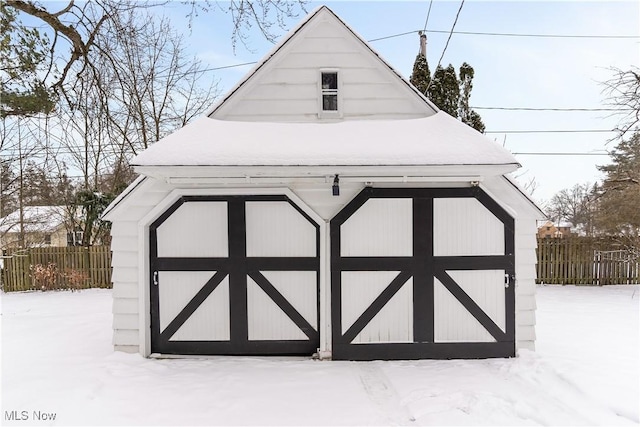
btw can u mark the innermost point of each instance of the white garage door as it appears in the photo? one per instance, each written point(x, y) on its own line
point(234, 275)
point(422, 273)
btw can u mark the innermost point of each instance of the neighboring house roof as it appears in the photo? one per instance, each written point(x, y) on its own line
point(438, 140)
point(36, 219)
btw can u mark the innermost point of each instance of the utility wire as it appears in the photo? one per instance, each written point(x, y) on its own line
point(455, 21)
point(392, 36)
point(426, 21)
point(559, 154)
point(552, 131)
point(550, 109)
point(560, 36)
point(583, 36)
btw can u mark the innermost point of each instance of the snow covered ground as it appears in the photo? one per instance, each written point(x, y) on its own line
point(57, 361)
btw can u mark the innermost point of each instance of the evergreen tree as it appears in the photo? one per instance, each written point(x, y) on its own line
point(445, 90)
point(449, 93)
point(467, 115)
point(421, 76)
point(619, 195)
point(23, 68)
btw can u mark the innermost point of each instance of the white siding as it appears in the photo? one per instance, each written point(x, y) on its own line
point(380, 227)
point(124, 305)
point(277, 229)
point(126, 337)
point(126, 257)
point(125, 321)
point(124, 289)
point(286, 87)
point(319, 197)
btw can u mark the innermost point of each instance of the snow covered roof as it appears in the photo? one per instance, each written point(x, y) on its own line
point(436, 140)
point(35, 218)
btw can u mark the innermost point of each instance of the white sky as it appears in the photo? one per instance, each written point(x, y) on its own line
point(510, 71)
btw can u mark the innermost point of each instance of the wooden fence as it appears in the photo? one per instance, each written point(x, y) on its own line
point(571, 261)
point(586, 261)
point(73, 267)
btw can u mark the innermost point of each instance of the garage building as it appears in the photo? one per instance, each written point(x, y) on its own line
point(324, 206)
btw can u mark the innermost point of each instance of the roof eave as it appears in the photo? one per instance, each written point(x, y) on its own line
point(292, 173)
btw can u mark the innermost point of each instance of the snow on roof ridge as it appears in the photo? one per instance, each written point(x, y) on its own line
point(435, 140)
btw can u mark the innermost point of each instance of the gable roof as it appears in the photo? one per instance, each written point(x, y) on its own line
point(321, 12)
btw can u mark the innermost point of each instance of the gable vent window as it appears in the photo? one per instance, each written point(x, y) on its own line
point(329, 91)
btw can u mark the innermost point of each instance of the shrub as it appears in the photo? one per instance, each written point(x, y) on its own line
point(44, 277)
point(75, 279)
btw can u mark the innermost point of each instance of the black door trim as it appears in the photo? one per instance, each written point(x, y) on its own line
point(424, 268)
point(236, 267)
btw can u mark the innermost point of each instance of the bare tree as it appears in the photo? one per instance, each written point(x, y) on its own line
point(574, 205)
point(77, 25)
point(622, 91)
point(138, 87)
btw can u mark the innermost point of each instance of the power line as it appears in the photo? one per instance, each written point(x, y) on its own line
point(559, 154)
point(392, 36)
point(223, 67)
point(579, 36)
point(550, 109)
point(552, 131)
point(560, 36)
point(477, 33)
point(426, 21)
point(455, 21)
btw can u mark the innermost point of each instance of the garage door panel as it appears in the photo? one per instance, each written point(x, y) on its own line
point(300, 288)
point(394, 322)
point(487, 289)
point(463, 226)
point(218, 297)
point(277, 229)
point(359, 290)
point(453, 322)
point(210, 321)
point(381, 227)
point(267, 320)
point(196, 229)
point(457, 301)
point(176, 289)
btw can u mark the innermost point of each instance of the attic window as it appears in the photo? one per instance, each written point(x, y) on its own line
point(329, 91)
